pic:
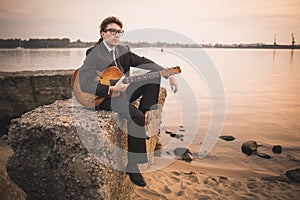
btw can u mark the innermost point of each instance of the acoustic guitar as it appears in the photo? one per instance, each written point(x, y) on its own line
point(110, 77)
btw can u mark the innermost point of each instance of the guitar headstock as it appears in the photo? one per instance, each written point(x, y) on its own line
point(170, 71)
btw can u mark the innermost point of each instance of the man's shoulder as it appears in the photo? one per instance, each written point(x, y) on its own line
point(96, 48)
point(89, 50)
point(123, 47)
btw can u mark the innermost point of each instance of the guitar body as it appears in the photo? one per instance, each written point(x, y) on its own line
point(90, 100)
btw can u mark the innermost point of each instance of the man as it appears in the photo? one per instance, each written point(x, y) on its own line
point(106, 53)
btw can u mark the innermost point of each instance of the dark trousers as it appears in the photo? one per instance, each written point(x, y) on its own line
point(149, 92)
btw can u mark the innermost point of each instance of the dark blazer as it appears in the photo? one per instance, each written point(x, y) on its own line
point(98, 58)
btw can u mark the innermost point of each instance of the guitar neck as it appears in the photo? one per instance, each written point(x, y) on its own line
point(144, 77)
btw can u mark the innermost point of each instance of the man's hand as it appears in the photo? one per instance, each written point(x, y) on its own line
point(173, 84)
point(119, 87)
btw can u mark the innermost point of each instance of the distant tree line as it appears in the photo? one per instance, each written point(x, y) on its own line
point(34, 43)
point(41, 43)
point(46, 43)
point(10, 43)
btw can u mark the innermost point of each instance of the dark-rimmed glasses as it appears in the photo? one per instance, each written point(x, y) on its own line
point(114, 31)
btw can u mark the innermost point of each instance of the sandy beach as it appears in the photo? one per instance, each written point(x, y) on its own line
point(226, 173)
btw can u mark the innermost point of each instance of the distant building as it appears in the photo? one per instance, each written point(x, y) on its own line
point(293, 40)
point(275, 40)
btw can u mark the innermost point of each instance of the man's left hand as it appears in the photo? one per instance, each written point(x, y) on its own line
point(173, 84)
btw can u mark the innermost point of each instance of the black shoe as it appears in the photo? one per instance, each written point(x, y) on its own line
point(135, 176)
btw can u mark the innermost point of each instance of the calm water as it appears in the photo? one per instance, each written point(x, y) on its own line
point(262, 90)
point(262, 87)
point(40, 59)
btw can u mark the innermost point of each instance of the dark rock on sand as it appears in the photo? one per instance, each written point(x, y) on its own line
point(249, 147)
point(184, 154)
point(294, 175)
point(175, 135)
point(277, 149)
point(227, 137)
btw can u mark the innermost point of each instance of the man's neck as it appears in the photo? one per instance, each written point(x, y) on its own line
point(109, 47)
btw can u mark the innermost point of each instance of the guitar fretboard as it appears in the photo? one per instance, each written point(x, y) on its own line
point(144, 77)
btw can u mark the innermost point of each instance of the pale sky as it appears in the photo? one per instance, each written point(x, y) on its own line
point(203, 21)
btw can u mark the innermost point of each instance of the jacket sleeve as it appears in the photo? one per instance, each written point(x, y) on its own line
point(142, 62)
point(87, 74)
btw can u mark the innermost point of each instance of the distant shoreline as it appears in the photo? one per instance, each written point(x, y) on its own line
point(66, 43)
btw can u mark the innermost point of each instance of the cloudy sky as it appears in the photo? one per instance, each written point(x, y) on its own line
point(203, 21)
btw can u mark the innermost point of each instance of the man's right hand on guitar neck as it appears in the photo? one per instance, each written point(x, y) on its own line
point(119, 87)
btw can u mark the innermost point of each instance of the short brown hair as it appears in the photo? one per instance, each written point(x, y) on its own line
point(110, 20)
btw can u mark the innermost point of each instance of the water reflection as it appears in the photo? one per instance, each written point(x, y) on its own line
point(291, 57)
point(40, 59)
point(274, 52)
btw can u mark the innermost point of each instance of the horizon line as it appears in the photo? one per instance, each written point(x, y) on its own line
point(175, 42)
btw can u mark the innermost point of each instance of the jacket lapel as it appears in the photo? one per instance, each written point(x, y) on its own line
point(105, 52)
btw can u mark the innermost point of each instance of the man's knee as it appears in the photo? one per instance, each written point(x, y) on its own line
point(137, 116)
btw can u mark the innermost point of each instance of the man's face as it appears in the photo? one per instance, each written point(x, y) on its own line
point(110, 36)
